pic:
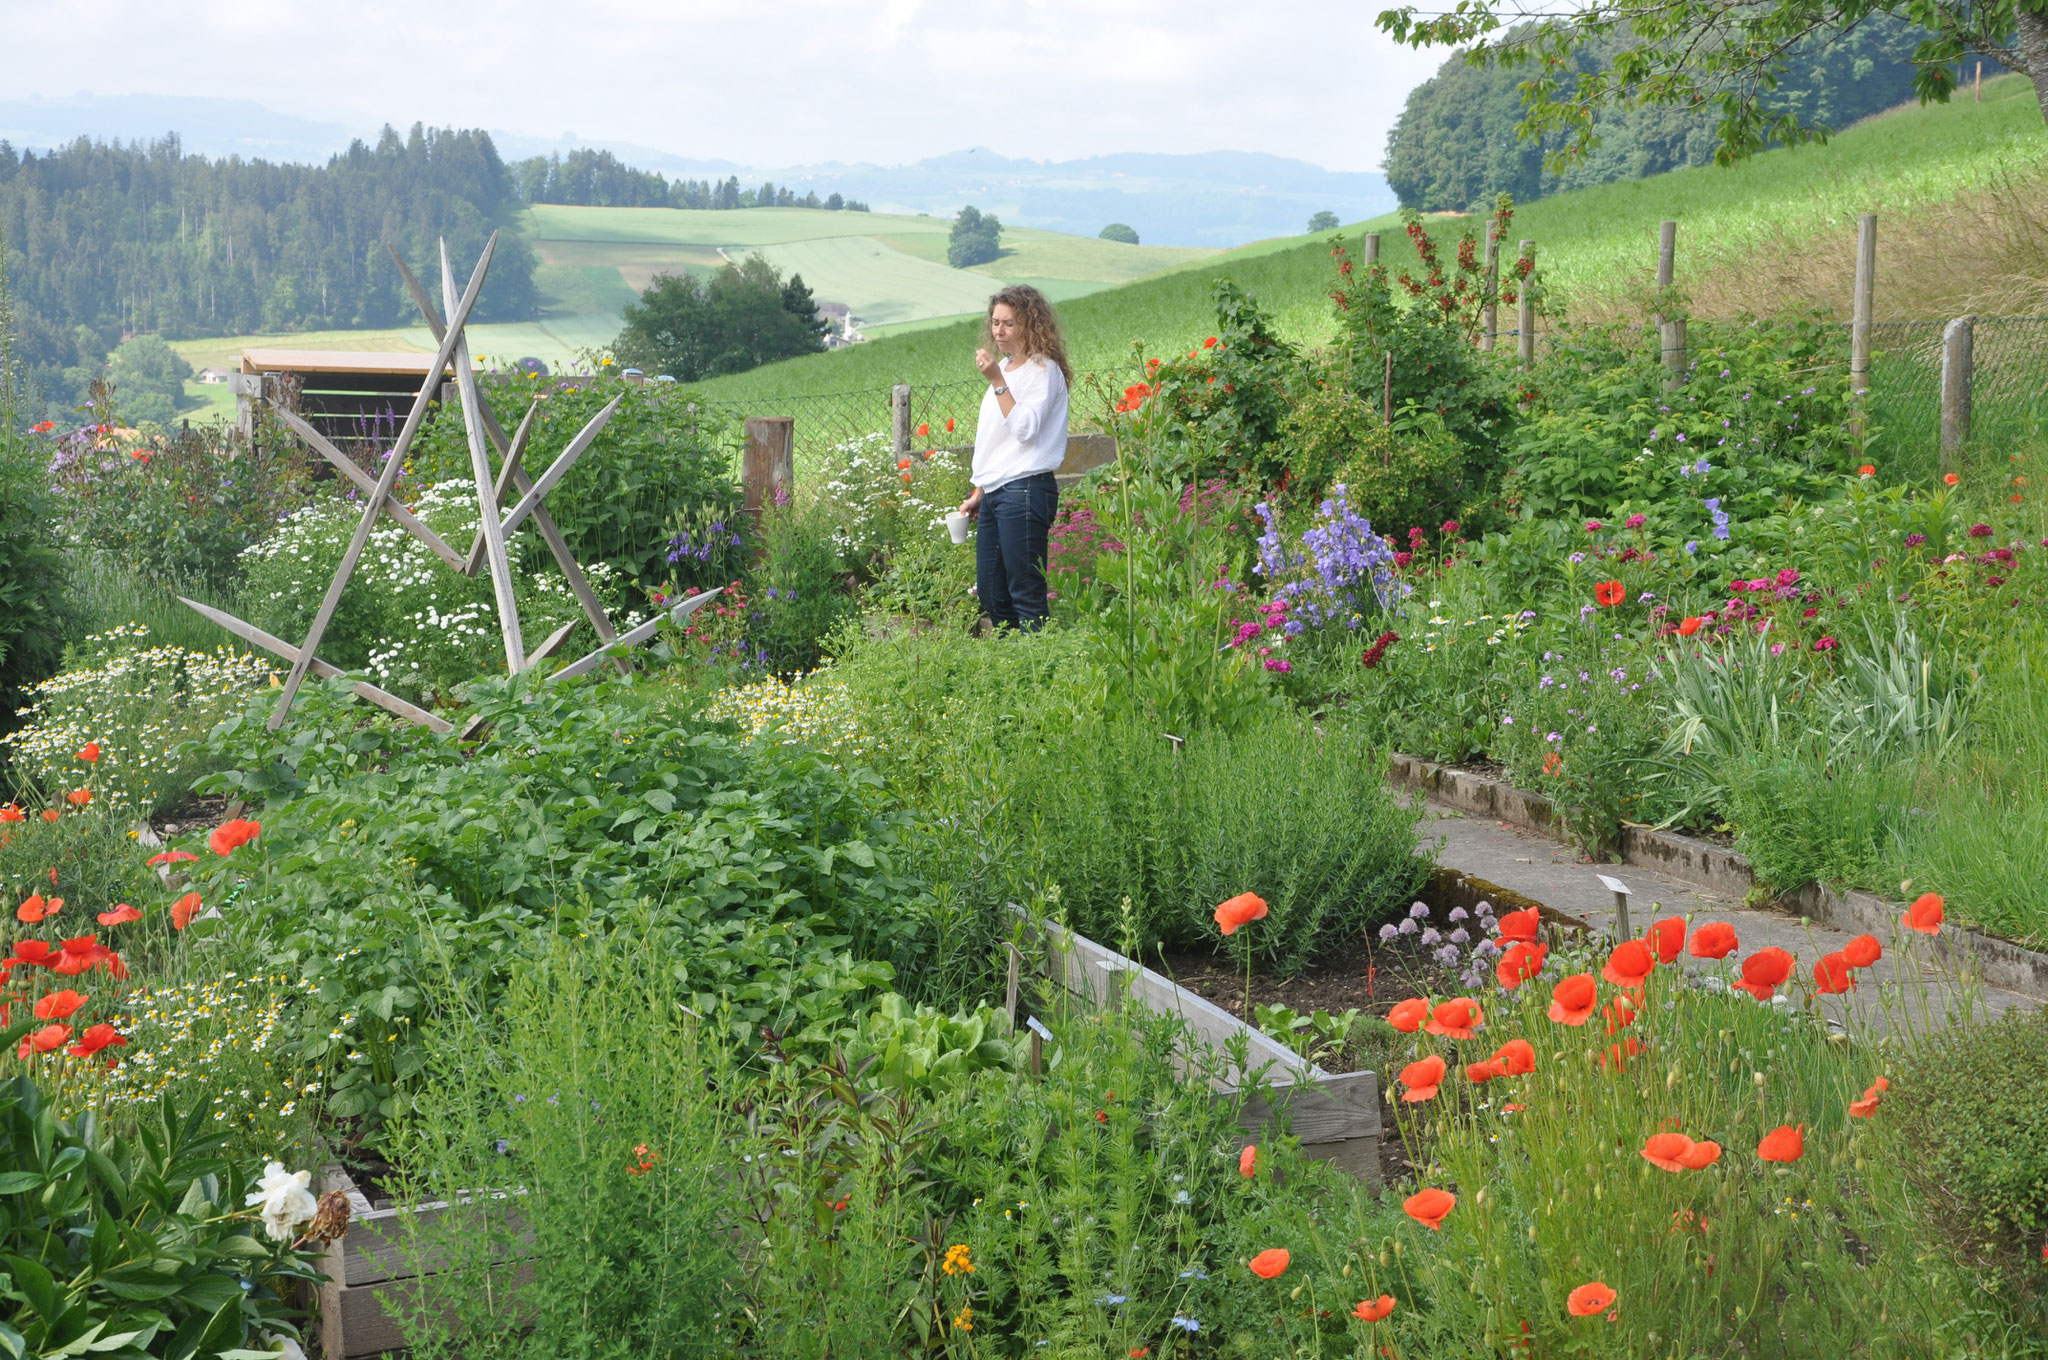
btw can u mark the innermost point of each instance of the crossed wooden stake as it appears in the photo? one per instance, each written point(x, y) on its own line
point(493, 533)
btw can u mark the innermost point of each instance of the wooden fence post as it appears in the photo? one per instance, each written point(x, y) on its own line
point(1489, 315)
point(1958, 371)
point(899, 418)
point(1670, 329)
point(1859, 319)
point(769, 464)
point(1525, 309)
point(1372, 249)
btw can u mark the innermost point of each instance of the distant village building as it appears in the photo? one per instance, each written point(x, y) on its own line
point(213, 375)
point(844, 326)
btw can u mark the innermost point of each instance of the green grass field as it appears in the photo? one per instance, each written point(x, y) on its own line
point(1593, 244)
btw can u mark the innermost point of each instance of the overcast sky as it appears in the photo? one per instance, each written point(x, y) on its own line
point(767, 82)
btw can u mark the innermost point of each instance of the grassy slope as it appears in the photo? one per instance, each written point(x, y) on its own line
point(1594, 243)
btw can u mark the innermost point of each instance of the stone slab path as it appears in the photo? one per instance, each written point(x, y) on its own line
point(1557, 876)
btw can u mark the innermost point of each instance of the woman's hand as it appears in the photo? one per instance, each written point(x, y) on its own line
point(991, 366)
point(971, 507)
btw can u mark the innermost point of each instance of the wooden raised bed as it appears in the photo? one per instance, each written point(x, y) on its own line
point(367, 1268)
point(1335, 1115)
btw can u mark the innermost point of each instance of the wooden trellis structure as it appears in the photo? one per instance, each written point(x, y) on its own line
point(489, 549)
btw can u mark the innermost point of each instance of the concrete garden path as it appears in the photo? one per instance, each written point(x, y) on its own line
point(1555, 875)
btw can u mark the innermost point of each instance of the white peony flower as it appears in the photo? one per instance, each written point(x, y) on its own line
point(288, 1349)
point(286, 1198)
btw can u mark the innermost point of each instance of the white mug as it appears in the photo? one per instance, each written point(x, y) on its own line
point(956, 525)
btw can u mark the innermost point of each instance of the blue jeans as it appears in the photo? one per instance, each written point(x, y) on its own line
point(1009, 565)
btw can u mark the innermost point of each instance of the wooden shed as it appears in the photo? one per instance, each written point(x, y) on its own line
point(351, 396)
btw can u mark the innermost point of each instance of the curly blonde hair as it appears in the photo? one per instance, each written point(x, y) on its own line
point(1038, 328)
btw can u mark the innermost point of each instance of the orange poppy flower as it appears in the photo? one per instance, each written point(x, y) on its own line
point(1610, 593)
point(1951, 478)
point(1422, 1079)
point(949, 425)
point(1629, 964)
point(120, 915)
point(1520, 962)
point(1520, 925)
point(1863, 951)
point(1705, 1152)
point(1925, 914)
point(923, 430)
point(1620, 1012)
point(1867, 1106)
point(184, 909)
point(1590, 1300)
point(1764, 970)
point(1516, 1057)
point(1428, 1207)
point(1785, 1143)
point(1831, 974)
point(1714, 940)
point(78, 797)
point(1866, 471)
point(1374, 1310)
point(59, 1005)
point(1667, 1151)
point(1552, 763)
point(48, 1039)
point(1248, 1161)
point(1408, 1015)
point(1667, 938)
point(1617, 1055)
point(1690, 626)
point(10, 813)
point(1240, 910)
point(1481, 1072)
point(231, 835)
point(33, 952)
point(172, 857)
point(95, 1039)
point(1270, 1264)
point(1571, 1000)
point(90, 752)
point(49, 814)
point(1455, 1019)
point(32, 909)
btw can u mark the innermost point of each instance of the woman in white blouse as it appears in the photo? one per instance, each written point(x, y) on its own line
point(1020, 441)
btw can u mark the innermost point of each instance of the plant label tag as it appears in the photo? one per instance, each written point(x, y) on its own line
point(1615, 885)
point(1031, 1023)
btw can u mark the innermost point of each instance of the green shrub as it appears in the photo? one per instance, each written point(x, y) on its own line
point(32, 581)
point(660, 456)
point(1968, 1110)
point(1417, 475)
point(794, 591)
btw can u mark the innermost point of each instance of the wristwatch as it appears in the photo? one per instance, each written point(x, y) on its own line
point(1000, 390)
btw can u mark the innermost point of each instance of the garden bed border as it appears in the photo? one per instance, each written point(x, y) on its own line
point(1719, 869)
point(1335, 1115)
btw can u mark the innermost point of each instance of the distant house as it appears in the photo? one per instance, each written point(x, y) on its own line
point(213, 375)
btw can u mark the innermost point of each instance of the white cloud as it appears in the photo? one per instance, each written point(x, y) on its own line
point(780, 82)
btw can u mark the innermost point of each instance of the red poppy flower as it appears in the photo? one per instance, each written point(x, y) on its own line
point(48, 1039)
point(49, 814)
point(59, 1005)
point(1270, 1264)
point(949, 425)
point(1589, 1300)
point(1610, 593)
point(1667, 937)
point(78, 797)
point(1621, 1013)
point(89, 752)
point(1689, 627)
point(1408, 1015)
point(1951, 478)
point(184, 909)
point(1571, 1000)
point(1516, 1057)
point(923, 430)
point(1374, 1310)
point(1617, 1055)
point(1629, 964)
point(1240, 910)
point(1925, 914)
point(1831, 974)
point(1479, 1073)
point(1866, 471)
point(1867, 1106)
point(1422, 1079)
point(1863, 951)
point(1519, 925)
point(1248, 1161)
point(120, 915)
point(33, 952)
point(1714, 940)
point(1552, 763)
point(1210, 343)
point(1428, 1207)
point(231, 835)
point(172, 857)
point(1764, 970)
point(1667, 1151)
point(10, 813)
point(32, 909)
point(1455, 1019)
point(1785, 1143)
point(1518, 963)
point(95, 1039)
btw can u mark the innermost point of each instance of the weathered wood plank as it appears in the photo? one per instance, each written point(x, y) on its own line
point(638, 635)
point(508, 470)
point(383, 699)
point(496, 560)
point(551, 644)
point(374, 507)
point(345, 465)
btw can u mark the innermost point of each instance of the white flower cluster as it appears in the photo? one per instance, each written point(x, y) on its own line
point(137, 702)
point(862, 477)
point(814, 711)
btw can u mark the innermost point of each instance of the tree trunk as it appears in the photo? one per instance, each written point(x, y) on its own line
point(2032, 26)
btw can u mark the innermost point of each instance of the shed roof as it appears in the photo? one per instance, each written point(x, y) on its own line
point(333, 361)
